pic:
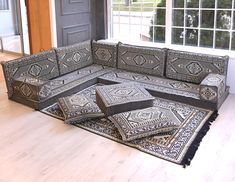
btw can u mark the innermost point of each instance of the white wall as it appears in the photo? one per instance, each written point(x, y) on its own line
point(231, 75)
point(6, 22)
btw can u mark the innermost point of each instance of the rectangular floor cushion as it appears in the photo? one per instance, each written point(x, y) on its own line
point(144, 122)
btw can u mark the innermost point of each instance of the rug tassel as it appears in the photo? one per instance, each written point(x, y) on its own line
point(196, 143)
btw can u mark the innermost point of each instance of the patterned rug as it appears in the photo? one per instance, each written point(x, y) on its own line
point(178, 147)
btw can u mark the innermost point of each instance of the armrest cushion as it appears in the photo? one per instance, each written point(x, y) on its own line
point(31, 88)
point(212, 87)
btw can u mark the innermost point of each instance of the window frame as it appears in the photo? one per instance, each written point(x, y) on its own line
point(168, 31)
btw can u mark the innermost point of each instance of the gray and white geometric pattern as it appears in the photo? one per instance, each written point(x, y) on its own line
point(35, 70)
point(74, 57)
point(207, 93)
point(212, 87)
point(154, 83)
point(104, 53)
point(144, 122)
point(25, 90)
point(141, 59)
point(42, 65)
point(172, 146)
point(77, 108)
point(34, 89)
point(193, 67)
point(117, 98)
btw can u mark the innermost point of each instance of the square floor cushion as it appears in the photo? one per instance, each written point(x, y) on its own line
point(113, 99)
point(78, 108)
point(144, 122)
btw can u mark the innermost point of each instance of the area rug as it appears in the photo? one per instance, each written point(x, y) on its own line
point(178, 146)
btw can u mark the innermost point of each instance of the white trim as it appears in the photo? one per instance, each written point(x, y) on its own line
point(231, 27)
point(109, 21)
point(169, 23)
point(53, 23)
point(199, 23)
point(214, 31)
point(184, 27)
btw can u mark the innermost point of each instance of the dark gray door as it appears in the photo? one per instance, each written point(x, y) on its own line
point(76, 20)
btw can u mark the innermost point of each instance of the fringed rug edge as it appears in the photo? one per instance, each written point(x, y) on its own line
point(197, 140)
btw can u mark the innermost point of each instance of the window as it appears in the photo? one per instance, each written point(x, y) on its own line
point(199, 23)
point(134, 20)
point(4, 5)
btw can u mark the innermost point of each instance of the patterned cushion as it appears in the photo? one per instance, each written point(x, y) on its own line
point(119, 98)
point(193, 67)
point(78, 108)
point(74, 57)
point(142, 59)
point(144, 122)
point(31, 88)
point(78, 80)
point(42, 65)
point(78, 74)
point(212, 87)
point(104, 53)
point(153, 84)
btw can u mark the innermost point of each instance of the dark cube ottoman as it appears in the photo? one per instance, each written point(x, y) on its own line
point(113, 99)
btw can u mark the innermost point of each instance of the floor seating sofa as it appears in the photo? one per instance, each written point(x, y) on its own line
point(39, 80)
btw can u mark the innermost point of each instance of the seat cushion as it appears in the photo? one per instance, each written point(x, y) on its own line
point(77, 108)
point(75, 75)
point(74, 79)
point(193, 67)
point(104, 53)
point(153, 83)
point(144, 122)
point(142, 59)
point(74, 57)
point(118, 98)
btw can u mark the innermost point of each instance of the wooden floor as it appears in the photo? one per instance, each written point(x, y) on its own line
point(37, 148)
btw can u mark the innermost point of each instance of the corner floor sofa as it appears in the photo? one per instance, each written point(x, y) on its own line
point(39, 80)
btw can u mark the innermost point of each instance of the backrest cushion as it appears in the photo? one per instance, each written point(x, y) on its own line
point(42, 65)
point(194, 67)
point(74, 57)
point(104, 53)
point(142, 59)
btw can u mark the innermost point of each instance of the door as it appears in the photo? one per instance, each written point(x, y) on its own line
point(38, 12)
point(77, 19)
